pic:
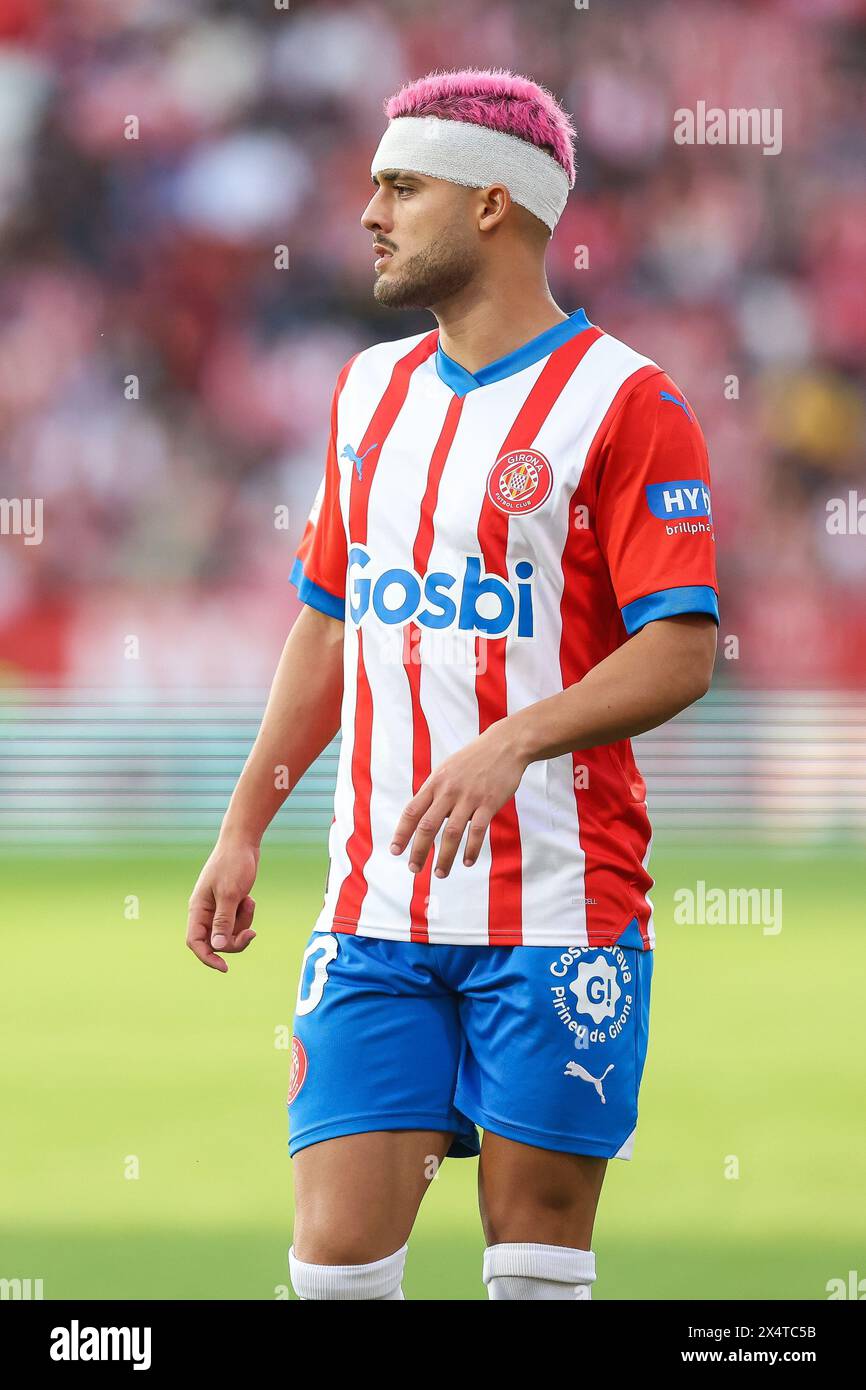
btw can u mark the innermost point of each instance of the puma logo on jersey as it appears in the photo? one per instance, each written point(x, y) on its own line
point(575, 1069)
point(471, 602)
point(358, 459)
point(666, 396)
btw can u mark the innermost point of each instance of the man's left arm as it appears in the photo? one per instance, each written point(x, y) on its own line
point(657, 673)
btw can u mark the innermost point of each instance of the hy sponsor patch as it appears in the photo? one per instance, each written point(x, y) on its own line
point(681, 499)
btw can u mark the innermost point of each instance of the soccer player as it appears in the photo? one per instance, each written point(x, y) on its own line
point(507, 572)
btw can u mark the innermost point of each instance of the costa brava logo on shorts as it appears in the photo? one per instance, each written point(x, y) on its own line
point(519, 481)
point(592, 992)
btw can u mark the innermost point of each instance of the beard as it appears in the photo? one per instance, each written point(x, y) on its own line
point(429, 277)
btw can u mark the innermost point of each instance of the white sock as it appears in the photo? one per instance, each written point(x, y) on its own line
point(380, 1280)
point(538, 1272)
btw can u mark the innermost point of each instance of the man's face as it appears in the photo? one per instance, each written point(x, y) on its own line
point(423, 243)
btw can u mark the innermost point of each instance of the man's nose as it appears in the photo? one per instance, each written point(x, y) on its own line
point(374, 218)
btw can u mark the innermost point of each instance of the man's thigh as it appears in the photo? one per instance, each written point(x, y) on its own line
point(356, 1198)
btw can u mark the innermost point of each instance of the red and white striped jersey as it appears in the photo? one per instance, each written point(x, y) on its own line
point(488, 539)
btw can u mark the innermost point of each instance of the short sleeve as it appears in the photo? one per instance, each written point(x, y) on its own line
point(654, 516)
point(321, 560)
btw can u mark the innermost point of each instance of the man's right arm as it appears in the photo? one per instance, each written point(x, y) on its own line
point(301, 718)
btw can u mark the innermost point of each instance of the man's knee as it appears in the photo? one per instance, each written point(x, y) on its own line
point(548, 1211)
point(327, 1238)
point(356, 1197)
point(529, 1196)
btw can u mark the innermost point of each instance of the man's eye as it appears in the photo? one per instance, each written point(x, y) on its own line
point(402, 188)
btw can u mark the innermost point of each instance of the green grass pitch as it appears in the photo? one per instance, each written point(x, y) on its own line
point(144, 1136)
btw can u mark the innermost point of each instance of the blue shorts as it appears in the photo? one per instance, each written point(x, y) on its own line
point(541, 1044)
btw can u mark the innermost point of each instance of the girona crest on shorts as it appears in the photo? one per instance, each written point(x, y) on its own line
point(519, 481)
point(298, 1074)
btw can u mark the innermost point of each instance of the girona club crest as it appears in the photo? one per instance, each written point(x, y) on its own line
point(298, 1074)
point(519, 481)
point(596, 989)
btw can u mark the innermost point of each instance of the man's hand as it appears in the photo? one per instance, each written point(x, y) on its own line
point(301, 718)
point(220, 908)
point(467, 788)
point(650, 678)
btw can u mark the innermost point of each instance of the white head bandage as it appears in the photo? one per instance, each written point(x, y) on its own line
point(475, 156)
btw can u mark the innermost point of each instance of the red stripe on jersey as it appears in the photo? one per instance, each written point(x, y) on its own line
point(359, 845)
point(609, 866)
point(421, 755)
point(505, 896)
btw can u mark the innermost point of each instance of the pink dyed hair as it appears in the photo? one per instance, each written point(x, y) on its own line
point(494, 98)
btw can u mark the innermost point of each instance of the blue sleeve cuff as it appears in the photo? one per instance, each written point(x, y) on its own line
point(315, 595)
point(667, 603)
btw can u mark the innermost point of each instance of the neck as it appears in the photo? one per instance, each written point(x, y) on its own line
point(485, 321)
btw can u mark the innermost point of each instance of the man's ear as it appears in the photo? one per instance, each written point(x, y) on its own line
point(494, 205)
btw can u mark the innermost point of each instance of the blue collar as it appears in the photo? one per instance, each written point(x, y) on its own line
point(461, 381)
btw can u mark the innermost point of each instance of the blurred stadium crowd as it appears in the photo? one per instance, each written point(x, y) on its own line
point(154, 154)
